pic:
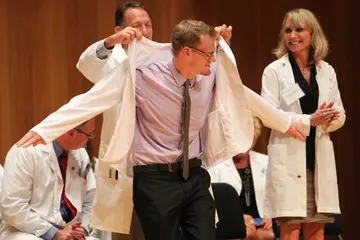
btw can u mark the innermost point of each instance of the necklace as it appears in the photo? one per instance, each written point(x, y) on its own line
point(304, 71)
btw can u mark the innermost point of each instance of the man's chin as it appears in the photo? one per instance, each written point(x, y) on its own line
point(206, 73)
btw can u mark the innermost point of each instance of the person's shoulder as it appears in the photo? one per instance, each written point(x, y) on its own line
point(323, 64)
point(278, 63)
point(29, 154)
point(154, 69)
point(325, 67)
point(154, 66)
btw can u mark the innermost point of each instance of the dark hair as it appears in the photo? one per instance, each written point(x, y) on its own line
point(188, 33)
point(120, 11)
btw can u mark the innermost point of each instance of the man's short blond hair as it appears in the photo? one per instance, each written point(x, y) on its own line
point(188, 33)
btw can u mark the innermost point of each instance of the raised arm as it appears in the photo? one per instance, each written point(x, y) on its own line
point(95, 62)
point(105, 94)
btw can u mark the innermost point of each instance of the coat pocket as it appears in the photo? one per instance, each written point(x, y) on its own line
point(277, 162)
point(215, 144)
point(275, 180)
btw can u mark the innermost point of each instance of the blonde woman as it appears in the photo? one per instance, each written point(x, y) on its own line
point(246, 172)
point(301, 187)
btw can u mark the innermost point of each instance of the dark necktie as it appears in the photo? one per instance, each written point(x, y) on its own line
point(186, 114)
point(68, 211)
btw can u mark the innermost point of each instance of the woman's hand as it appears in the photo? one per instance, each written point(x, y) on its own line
point(324, 115)
point(249, 223)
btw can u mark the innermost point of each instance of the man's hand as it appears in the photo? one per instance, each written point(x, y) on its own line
point(63, 234)
point(295, 132)
point(224, 31)
point(31, 138)
point(125, 36)
point(77, 231)
point(324, 115)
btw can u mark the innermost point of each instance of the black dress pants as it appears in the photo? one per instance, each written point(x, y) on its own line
point(166, 203)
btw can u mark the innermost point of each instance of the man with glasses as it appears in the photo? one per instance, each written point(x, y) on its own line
point(48, 190)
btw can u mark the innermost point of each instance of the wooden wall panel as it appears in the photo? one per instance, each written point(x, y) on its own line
point(40, 44)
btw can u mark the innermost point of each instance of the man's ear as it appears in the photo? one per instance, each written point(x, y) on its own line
point(117, 29)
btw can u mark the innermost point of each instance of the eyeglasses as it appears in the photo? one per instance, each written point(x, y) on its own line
point(89, 135)
point(209, 55)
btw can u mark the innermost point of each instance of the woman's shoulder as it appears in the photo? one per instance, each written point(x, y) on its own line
point(323, 65)
point(278, 63)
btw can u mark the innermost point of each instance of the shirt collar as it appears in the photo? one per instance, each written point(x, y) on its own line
point(57, 148)
point(180, 79)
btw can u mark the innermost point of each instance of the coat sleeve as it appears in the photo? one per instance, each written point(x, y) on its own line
point(271, 93)
point(335, 96)
point(92, 67)
point(17, 191)
point(269, 115)
point(102, 96)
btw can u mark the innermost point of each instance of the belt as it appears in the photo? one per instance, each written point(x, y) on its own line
point(170, 167)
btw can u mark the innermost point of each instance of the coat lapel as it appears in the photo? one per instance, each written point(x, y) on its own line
point(50, 157)
point(74, 183)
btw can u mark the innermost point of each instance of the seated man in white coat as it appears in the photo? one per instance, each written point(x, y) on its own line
point(48, 190)
point(246, 172)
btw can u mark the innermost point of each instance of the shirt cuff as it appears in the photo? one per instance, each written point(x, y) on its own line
point(50, 234)
point(102, 52)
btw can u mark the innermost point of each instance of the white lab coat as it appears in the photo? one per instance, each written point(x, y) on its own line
point(286, 176)
point(95, 69)
point(32, 189)
point(226, 172)
point(229, 118)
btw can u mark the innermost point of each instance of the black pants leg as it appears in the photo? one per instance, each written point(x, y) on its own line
point(164, 202)
point(198, 215)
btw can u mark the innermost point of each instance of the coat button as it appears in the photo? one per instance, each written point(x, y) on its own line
point(299, 176)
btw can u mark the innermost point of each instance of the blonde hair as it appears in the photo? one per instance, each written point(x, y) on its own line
point(319, 43)
point(257, 128)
